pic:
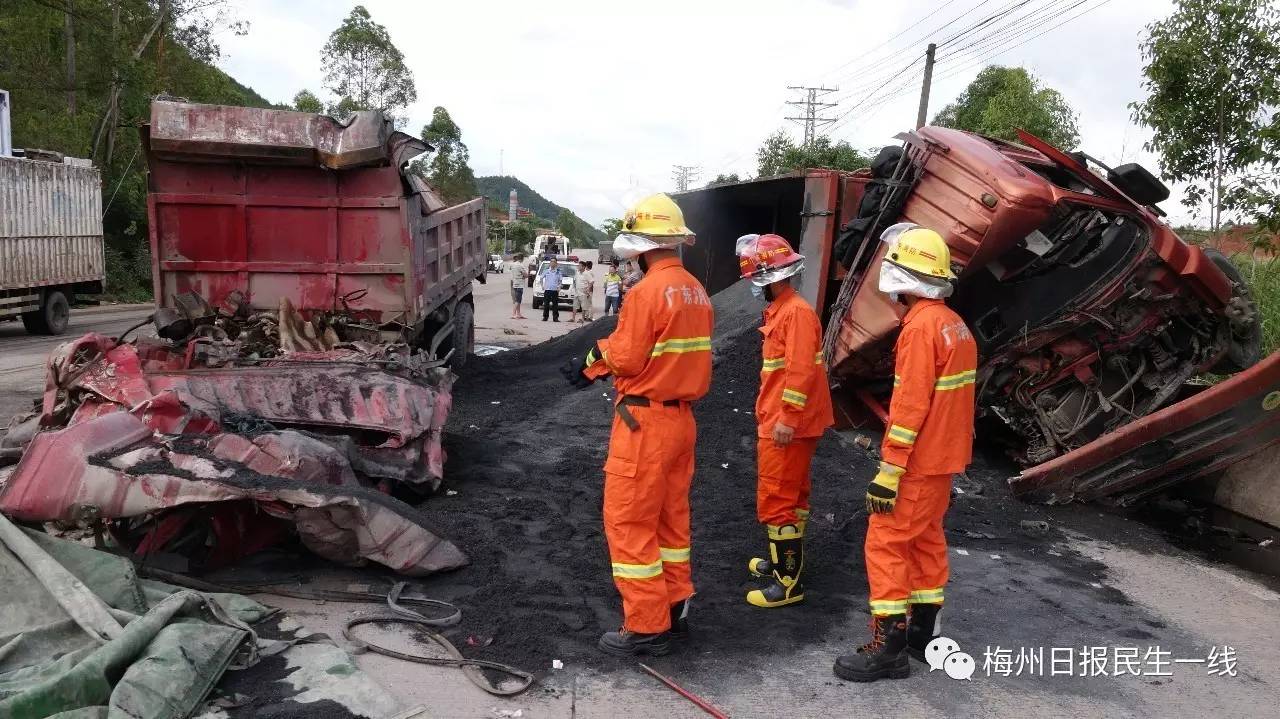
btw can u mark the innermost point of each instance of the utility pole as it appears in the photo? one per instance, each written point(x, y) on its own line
point(684, 174)
point(924, 89)
point(811, 106)
point(69, 36)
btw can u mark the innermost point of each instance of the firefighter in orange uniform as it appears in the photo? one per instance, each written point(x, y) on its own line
point(660, 360)
point(929, 438)
point(793, 409)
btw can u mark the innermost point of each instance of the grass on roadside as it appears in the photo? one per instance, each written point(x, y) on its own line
point(1263, 277)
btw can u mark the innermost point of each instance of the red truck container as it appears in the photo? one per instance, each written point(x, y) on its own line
point(1089, 312)
point(273, 205)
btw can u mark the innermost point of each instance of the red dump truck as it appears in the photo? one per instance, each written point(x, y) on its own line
point(257, 206)
point(1089, 312)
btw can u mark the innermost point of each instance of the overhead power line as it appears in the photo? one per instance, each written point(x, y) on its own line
point(904, 31)
point(1016, 30)
point(1002, 12)
point(1002, 40)
point(996, 52)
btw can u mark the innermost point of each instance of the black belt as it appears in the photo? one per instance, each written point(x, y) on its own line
point(635, 400)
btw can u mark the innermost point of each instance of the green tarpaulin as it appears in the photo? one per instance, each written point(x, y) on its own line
point(82, 636)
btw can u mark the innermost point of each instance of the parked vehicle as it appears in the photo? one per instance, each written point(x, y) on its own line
point(261, 206)
point(607, 255)
point(51, 248)
point(567, 272)
point(548, 245)
point(1089, 312)
point(496, 263)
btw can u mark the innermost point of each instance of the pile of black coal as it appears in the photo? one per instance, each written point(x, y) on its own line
point(525, 458)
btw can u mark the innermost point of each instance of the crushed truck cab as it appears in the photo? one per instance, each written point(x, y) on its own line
point(1090, 313)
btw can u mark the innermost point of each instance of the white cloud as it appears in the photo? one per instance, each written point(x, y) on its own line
point(588, 101)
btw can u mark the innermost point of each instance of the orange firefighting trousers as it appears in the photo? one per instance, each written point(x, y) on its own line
point(646, 512)
point(782, 488)
point(906, 551)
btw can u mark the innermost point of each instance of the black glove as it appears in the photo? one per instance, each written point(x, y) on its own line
point(575, 371)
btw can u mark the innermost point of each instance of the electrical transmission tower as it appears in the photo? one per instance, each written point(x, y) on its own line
point(684, 174)
point(811, 107)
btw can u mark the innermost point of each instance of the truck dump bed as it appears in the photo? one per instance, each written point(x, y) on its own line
point(287, 205)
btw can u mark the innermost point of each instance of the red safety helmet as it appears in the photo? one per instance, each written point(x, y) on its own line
point(765, 259)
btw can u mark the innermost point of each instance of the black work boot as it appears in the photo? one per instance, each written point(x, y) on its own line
point(883, 657)
point(680, 620)
point(625, 643)
point(922, 628)
point(786, 562)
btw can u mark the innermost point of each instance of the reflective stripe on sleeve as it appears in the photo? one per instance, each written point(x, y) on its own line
point(955, 381)
point(680, 345)
point(791, 396)
point(817, 358)
point(902, 434)
point(773, 363)
point(896, 380)
point(677, 554)
point(637, 571)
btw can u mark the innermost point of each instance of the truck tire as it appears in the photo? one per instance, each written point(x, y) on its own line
point(1244, 346)
point(51, 318)
point(463, 340)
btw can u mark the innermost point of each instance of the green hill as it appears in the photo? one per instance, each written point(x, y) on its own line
point(498, 188)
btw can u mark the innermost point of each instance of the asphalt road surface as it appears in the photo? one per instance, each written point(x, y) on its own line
point(22, 355)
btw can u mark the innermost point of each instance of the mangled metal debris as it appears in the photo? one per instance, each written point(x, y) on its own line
point(235, 432)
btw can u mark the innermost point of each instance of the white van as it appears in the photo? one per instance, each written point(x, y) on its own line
point(568, 269)
point(549, 245)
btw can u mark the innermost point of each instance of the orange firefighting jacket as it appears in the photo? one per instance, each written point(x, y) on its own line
point(931, 412)
point(793, 377)
point(661, 348)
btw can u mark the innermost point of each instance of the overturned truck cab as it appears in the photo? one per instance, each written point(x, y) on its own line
point(1090, 314)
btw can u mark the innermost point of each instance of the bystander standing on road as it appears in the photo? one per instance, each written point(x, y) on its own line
point(612, 289)
point(551, 279)
point(584, 286)
point(631, 275)
point(517, 272)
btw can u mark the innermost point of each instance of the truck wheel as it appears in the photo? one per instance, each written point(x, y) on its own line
point(463, 340)
point(51, 318)
point(1244, 345)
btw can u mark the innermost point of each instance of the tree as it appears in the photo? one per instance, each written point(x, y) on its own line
point(779, 154)
point(771, 157)
point(724, 180)
point(125, 52)
point(611, 227)
point(365, 69)
point(1000, 100)
point(306, 101)
point(521, 234)
point(1211, 79)
point(448, 170)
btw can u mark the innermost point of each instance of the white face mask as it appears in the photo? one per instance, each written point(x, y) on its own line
point(896, 281)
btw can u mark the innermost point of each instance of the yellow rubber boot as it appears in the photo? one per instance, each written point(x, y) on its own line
point(786, 562)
